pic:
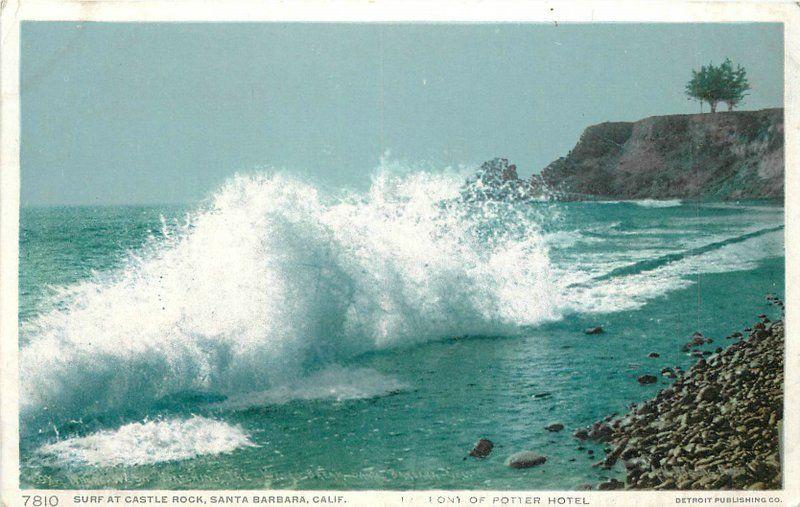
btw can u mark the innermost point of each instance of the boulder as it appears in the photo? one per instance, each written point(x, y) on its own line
point(600, 432)
point(581, 434)
point(525, 459)
point(554, 427)
point(610, 484)
point(647, 379)
point(594, 330)
point(483, 448)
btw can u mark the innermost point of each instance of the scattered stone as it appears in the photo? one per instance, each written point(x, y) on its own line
point(715, 427)
point(614, 455)
point(610, 485)
point(600, 432)
point(483, 448)
point(594, 330)
point(525, 459)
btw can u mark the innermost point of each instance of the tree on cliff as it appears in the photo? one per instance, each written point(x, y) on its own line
point(715, 84)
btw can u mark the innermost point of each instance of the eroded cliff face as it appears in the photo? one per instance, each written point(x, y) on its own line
point(731, 155)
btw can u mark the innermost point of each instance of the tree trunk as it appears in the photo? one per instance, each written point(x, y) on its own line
point(730, 106)
point(713, 107)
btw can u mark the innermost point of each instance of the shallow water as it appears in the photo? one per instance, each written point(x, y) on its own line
point(281, 338)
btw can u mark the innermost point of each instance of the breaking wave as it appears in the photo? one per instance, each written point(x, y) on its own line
point(273, 280)
point(658, 203)
point(147, 443)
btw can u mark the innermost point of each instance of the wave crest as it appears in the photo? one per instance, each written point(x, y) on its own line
point(149, 442)
point(275, 279)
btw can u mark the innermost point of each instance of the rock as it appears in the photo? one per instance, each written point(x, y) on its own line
point(610, 484)
point(496, 180)
point(614, 455)
point(554, 427)
point(716, 427)
point(708, 393)
point(653, 355)
point(600, 433)
point(581, 434)
point(542, 395)
point(647, 379)
point(525, 459)
point(483, 448)
point(594, 330)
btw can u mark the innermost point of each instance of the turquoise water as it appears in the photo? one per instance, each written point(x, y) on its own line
point(277, 337)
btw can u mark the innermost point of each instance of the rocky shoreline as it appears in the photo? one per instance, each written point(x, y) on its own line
point(716, 427)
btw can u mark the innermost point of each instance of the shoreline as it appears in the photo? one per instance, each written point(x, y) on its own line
point(717, 426)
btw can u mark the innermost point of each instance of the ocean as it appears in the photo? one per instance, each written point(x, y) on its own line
point(281, 335)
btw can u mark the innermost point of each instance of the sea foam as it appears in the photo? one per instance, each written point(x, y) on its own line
point(148, 442)
point(275, 279)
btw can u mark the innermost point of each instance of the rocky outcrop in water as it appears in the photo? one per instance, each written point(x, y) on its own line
point(732, 155)
point(717, 427)
point(496, 180)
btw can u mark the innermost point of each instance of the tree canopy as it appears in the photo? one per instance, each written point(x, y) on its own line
point(715, 84)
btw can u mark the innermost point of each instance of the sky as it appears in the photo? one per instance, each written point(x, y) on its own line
point(157, 113)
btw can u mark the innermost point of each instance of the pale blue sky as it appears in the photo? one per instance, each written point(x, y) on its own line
point(163, 113)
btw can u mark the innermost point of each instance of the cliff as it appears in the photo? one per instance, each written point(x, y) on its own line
point(731, 155)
